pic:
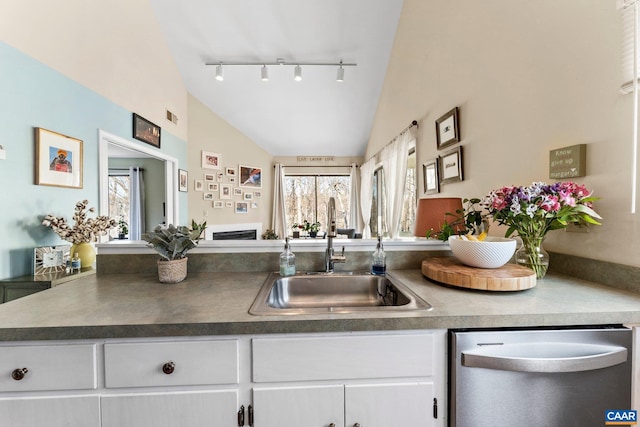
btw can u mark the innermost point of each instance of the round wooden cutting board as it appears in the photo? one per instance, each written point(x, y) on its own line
point(450, 271)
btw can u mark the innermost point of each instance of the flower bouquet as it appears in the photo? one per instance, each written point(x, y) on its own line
point(535, 210)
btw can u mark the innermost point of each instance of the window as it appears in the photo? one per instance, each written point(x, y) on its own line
point(307, 197)
point(378, 205)
point(119, 186)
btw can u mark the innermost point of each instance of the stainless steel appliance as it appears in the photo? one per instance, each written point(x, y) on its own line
point(539, 378)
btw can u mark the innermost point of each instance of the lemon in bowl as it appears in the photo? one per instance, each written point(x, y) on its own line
point(490, 252)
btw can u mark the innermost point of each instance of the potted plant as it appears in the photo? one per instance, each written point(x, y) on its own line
point(123, 229)
point(172, 244)
point(270, 234)
point(471, 219)
point(311, 228)
point(296, 230)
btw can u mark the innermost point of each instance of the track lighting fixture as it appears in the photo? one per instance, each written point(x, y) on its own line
point(297, 71)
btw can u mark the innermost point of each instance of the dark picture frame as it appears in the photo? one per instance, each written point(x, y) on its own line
point(451, 166)
point(183, 180)
point(146, 131)
point(448, 129)
point(431, 176)
point(58, 159)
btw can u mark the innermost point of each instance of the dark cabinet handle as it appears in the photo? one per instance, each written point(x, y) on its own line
point(241, 416)
point(169, 367)
point(250, 410)
point(19, 374)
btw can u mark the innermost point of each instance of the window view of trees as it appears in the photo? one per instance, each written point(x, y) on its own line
point(407, 220)
point(118, 200)
point(306, 198)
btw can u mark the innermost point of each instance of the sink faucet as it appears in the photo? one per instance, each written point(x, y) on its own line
point(329, 257)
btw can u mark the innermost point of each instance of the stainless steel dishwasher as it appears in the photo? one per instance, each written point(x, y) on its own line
point(540, 378)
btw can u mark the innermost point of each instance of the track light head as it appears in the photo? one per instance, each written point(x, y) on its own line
point(264, 73)
point(297, 74)
point(219, 73)
point(340, 75)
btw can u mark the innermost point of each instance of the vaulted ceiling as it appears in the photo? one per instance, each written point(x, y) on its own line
point(314, 116)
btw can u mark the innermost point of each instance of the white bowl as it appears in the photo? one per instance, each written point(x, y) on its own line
point(493, 252)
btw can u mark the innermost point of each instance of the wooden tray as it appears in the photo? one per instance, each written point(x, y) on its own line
point(450, 271)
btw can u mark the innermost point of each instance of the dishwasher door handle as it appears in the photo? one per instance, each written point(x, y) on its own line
point(549, 357)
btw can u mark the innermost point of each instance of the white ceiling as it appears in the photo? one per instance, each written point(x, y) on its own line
point(316, 116)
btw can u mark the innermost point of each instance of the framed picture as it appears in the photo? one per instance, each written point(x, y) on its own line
point(242, 207)
point(209, 177)
point(250, 176)
point(447, 129)
point(225, 191)
point(431, 176)
point(254, 205)
point(232, 180)
point(213, 186)
point(257, 194)
point(248, 196)
point(451, 166)
point(146, 131)
point(237, 192)
point(58, 159)
point(228, 204)
point(198, 185)
point(207, 196)
point(218, 204)
point(211, 160)
point(50, 259)
point(183, 180)
point(230, 171)
point(220, 176)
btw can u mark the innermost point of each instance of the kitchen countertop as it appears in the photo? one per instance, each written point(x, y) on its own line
point(127, 305)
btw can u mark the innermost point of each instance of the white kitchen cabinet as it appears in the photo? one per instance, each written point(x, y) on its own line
point(62, 411)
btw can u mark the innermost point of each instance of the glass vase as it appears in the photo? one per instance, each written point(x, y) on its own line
point(532, 255)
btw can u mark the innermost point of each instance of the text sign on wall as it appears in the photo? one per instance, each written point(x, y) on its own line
point(568, 162)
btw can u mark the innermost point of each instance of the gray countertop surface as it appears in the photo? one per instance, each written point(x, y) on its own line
point(127, 305)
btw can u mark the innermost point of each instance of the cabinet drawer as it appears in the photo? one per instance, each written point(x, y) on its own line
point(342, 357)
point(171, 363)
point(48, 367)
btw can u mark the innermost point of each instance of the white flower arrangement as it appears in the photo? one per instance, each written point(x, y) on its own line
point(85, 229)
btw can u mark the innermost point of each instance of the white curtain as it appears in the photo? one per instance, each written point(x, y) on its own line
point(278, 216)
point(394, 163)
point(366, 195)
point(355, 219)
point(136, 204)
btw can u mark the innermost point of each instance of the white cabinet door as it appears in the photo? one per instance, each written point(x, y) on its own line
point(388, 405)
point(67, 411)
point(189, 409)
point(299, 406)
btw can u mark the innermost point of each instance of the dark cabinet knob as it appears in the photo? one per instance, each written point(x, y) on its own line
point(19, 374)
point(169, 367)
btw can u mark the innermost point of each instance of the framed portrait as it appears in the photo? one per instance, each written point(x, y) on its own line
point(146, 131)
point(213, 186)
point(218, 204)
point(220, 176)
point(207, 196)
point(242, 207)
point(58, 159)
point(447, 129)
point(225, 191)
point(50, 259)
point(248, 196)
point(228, 204)
point(183, 180)
point(237, 192)
point(198, 185)
point(254, 205)
point(250, 176)
point(211, 160)
point(431, 176)
point(232, 180)
point(230, 171)
point(451, 166)
point(209, 177)
point(257, 194)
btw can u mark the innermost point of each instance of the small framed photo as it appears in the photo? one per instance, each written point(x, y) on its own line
point(209, 177)
point(211, 160)
point(146, 131)
point(257, 194)
point(198, 185)
point(208, 196)
point(237, 192)
point(232, 180)
point(451, 166)
point(250, 177)
point(220, 176)
point(218, 204)
point(228, 204)
point(213, 186)
point(230, 171)
point(431, 176)
point(183, 180)
point(58, 159)
point(242, 207)
point(248, 196)
point(225, 191)
point(447, 129)
point(254, 205)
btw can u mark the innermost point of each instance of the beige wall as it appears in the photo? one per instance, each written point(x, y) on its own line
point(528, 77)
point(114, 48)
point(209, 132)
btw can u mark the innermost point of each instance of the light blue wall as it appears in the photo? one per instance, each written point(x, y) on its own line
point(34, 95)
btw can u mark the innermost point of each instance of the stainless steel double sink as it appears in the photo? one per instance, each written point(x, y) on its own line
point(313, 293)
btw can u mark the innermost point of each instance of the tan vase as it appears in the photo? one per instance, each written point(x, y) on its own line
point(173, 271)
point(86, 253)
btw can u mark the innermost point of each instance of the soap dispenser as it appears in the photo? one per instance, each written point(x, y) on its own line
point(287, 260)
point(379, 262)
